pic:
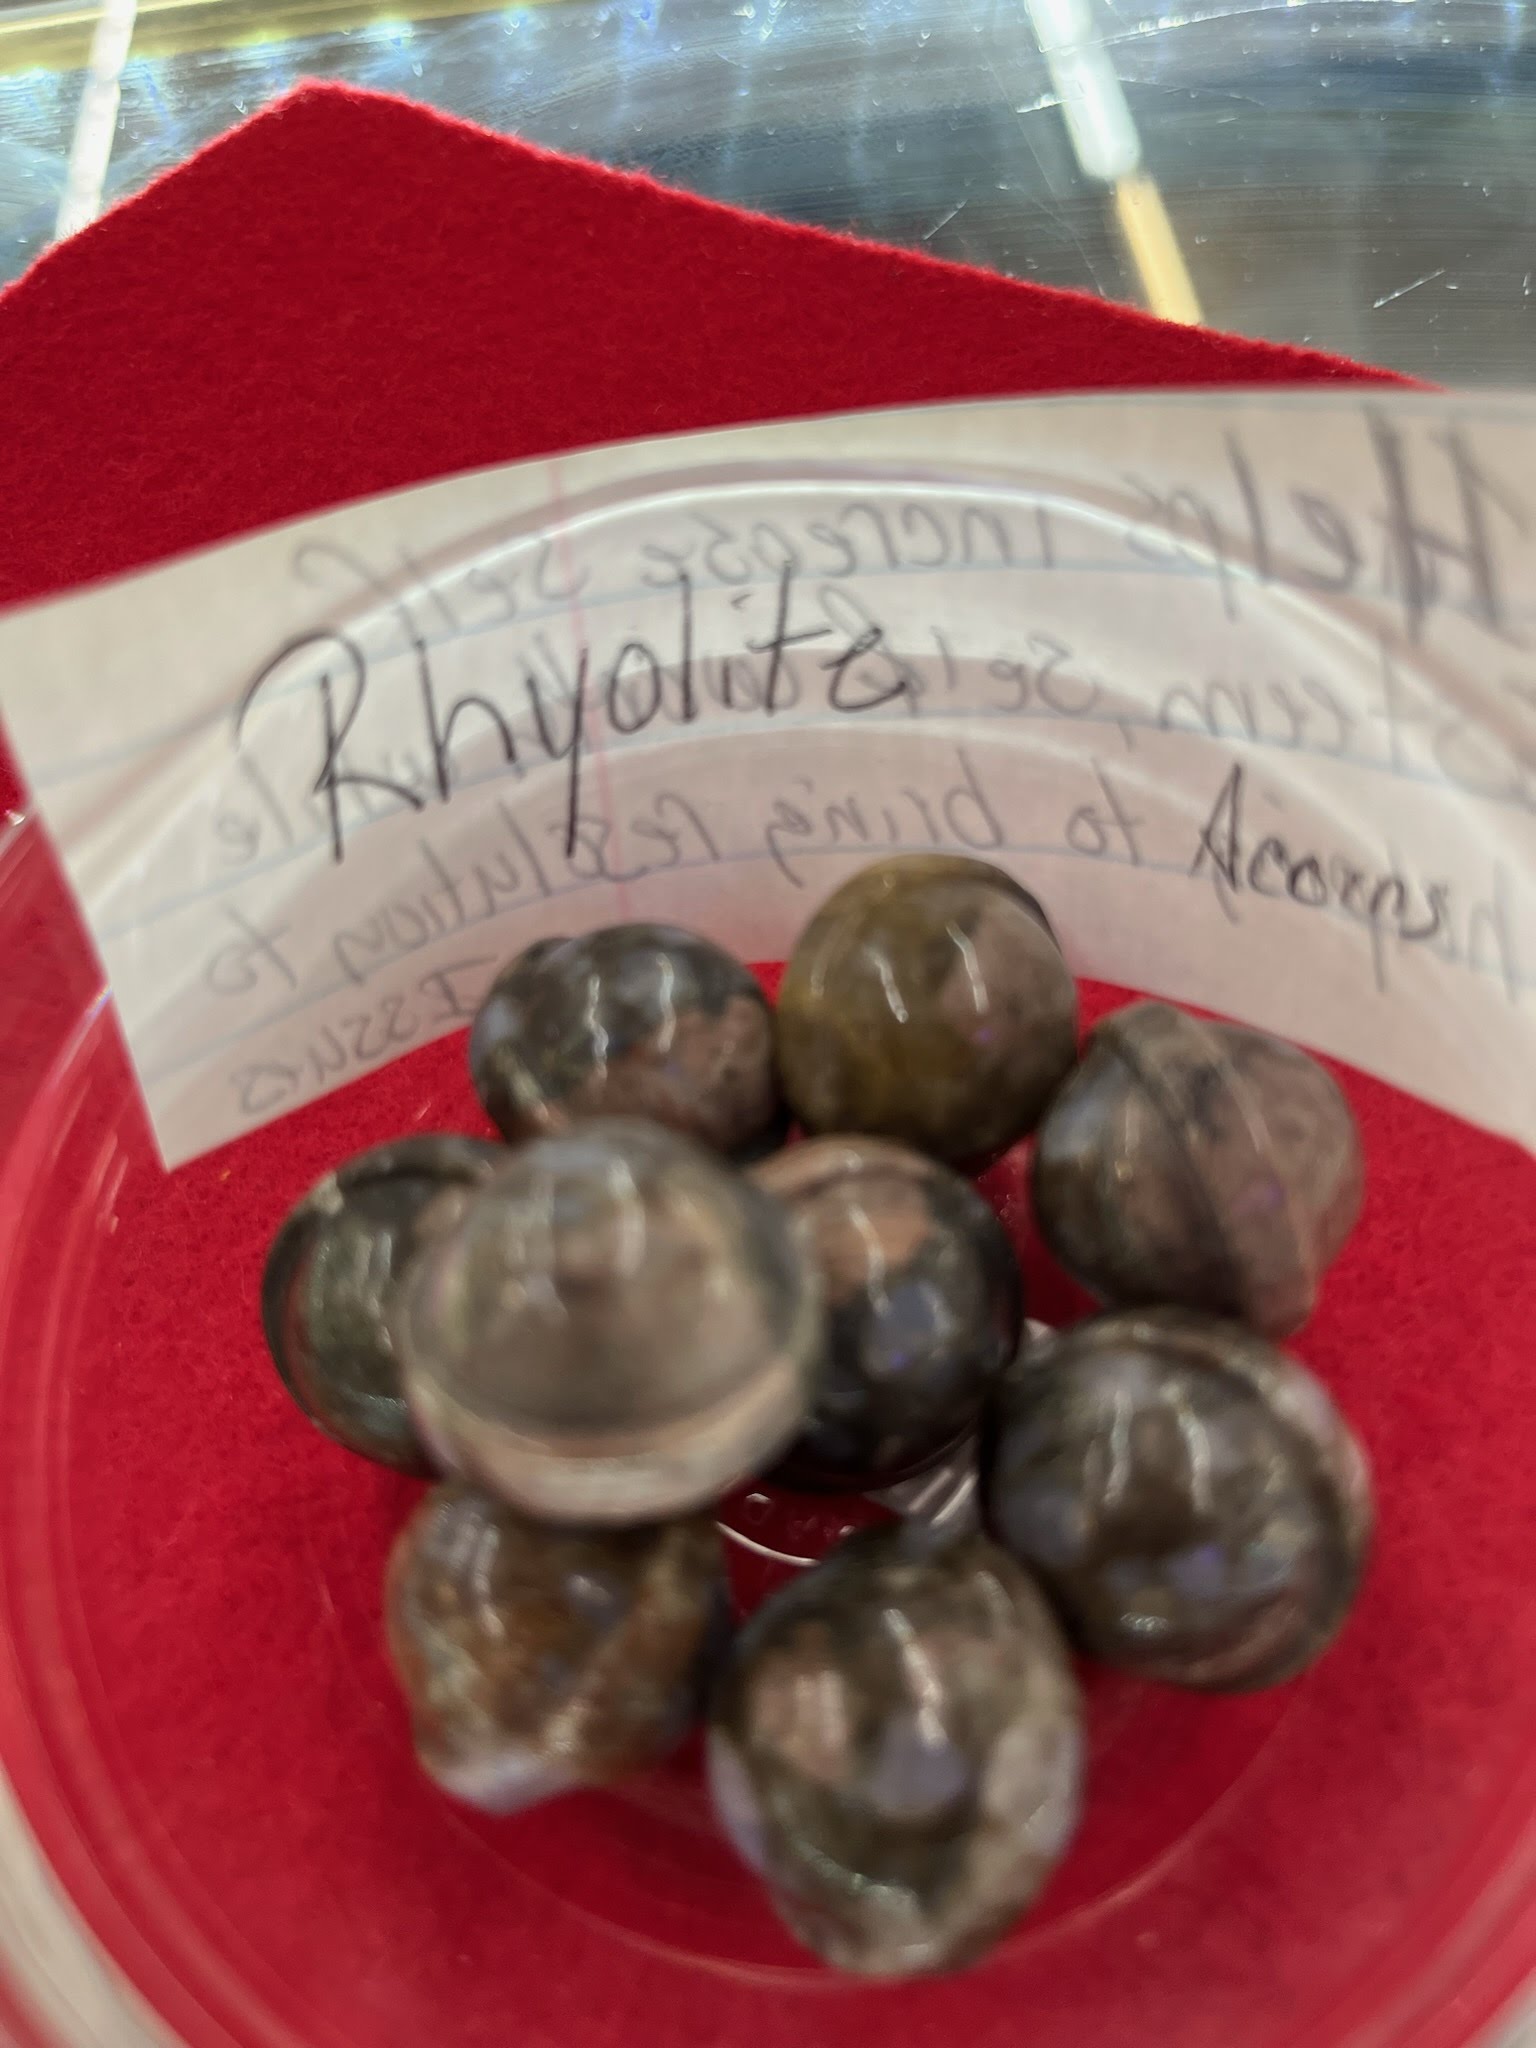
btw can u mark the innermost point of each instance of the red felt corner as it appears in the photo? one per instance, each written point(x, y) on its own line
point(349, 295)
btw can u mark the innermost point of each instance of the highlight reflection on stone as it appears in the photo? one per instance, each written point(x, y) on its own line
point(1188, 1495)
point(331, 1278)
point(923, 1307)
point(617, 1328)
point(927, 1001)
point(1203, 1164)
point(638, 1020)
point(945, 1497)
point(536, 1660)
point(895, 1746)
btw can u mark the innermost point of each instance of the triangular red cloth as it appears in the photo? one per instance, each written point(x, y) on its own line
point(349, 295)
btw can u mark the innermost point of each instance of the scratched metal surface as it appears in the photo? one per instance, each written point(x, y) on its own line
point(1355, 173)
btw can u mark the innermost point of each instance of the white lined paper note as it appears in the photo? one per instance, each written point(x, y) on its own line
point(1243, 684)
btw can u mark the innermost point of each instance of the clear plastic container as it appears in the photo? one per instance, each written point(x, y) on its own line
point(211, 1830)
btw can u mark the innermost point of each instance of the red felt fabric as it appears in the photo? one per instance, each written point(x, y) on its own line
point(349, 295)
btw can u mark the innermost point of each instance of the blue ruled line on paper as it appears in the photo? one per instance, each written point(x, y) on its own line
point(1176, 568)
point(211, 891)
point(170, 1069)
point(987, 491)
point(60, 775)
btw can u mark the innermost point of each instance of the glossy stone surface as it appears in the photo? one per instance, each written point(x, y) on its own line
point(1203, 1164)
point(535, 1660)
point(636, 1020)
point(330, 1282)
point(927, 1001)
point(1189, 1496)
point(895, 1746)
point(947, 1496)
point(617, 1328)
point(923, 1307)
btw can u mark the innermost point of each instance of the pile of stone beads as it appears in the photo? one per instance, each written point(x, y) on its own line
point(724, 1241)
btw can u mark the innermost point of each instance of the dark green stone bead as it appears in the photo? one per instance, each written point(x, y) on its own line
point(927, 1001)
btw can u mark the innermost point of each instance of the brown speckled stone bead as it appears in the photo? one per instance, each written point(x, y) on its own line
point(536, 1660)
point(1203, 1164)
point(1188, 1495)
point(635, 1020)
point(617, 1328)
point(331, 1278)
point(923, 1307)
point(895, 1746)
point(927, 1001)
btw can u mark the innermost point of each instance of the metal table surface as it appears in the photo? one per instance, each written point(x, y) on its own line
point(1360, 174)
